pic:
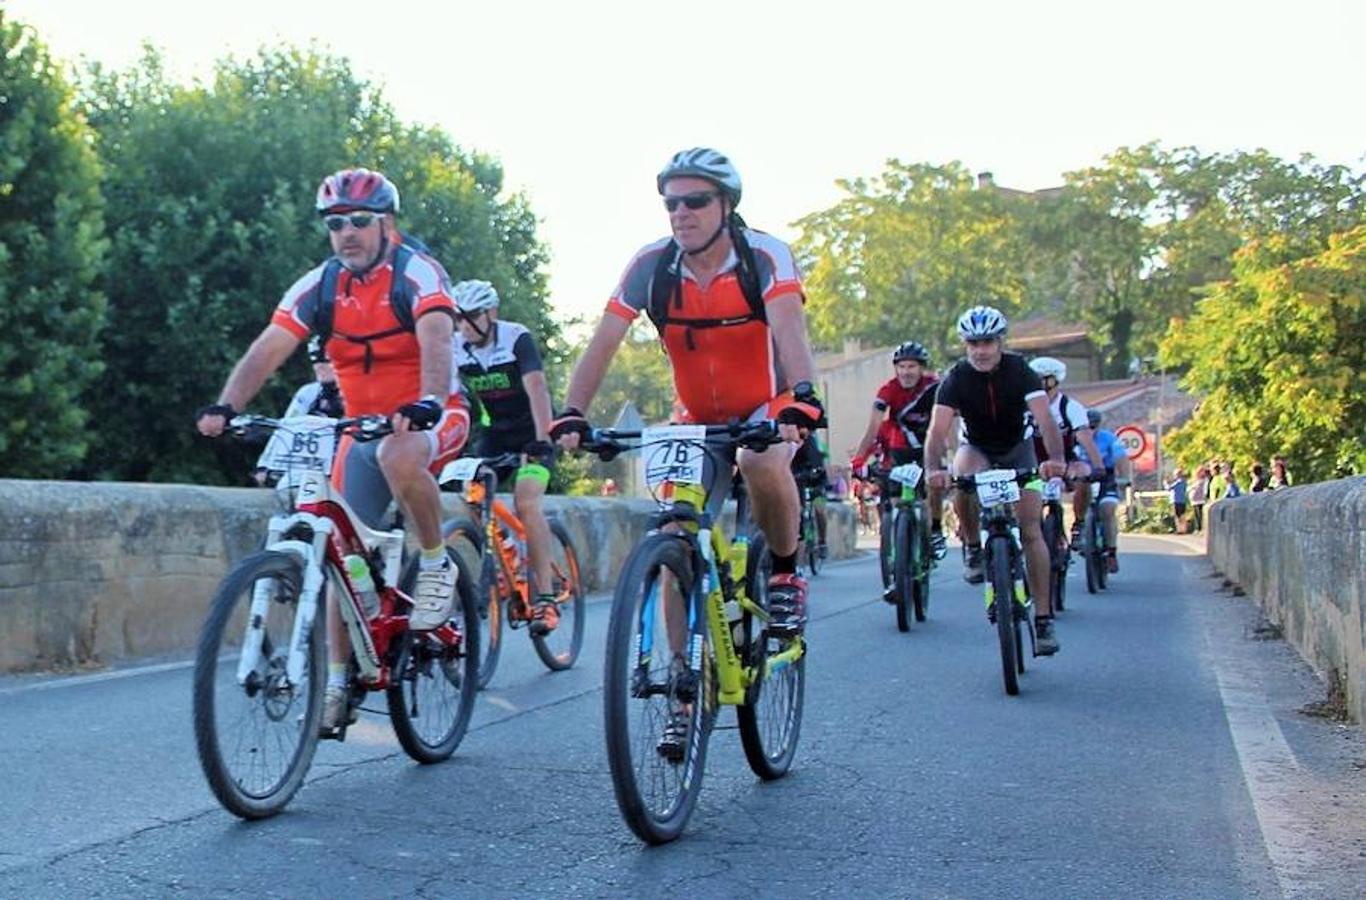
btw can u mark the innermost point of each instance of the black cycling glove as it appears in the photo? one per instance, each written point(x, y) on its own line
point(424, 414)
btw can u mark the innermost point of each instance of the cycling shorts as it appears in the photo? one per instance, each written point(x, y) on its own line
point(356, 474)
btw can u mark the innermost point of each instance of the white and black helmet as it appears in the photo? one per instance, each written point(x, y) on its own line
point(703, 162)
point(473, 296)
point(982, 323)
point(1045, 366)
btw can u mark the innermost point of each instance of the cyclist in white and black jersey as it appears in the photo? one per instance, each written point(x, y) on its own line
point(501, 372)
point(320, 397)
point(992, 390)
point(1078, 442)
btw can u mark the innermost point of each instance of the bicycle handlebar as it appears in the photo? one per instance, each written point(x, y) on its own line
point(361, 428)
point(608, 443)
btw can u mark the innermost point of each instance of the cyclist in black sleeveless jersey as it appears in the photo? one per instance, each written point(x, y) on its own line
point(500, 369)
point(992, 390)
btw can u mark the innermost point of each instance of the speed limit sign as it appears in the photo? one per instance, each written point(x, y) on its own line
point(1132, 439)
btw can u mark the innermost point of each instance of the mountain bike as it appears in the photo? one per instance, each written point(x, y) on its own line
point(492, 543)
point(261, 664)
point(906, 558)
point(688, 634)
point(809, 490)
point(1059, 549)
point(1009, 604)
point(1093, 543)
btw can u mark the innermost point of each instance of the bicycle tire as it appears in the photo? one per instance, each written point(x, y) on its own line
point(770, 719)
point(811, 537)
point(903, 532)
point(1057, 559)
point(467, 540)
point(656, 796)
point(560, 648)
point(1102, 563)
point(920, 566)
point(1091, 553)
point(297, 711)
point(1003, 595)
point(447, 676)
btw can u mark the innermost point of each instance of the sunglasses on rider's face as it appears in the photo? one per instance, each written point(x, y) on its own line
point(359, 221)
point(698, 200)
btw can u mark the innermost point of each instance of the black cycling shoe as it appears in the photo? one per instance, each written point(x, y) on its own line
point(938, 546)
point(1045, 636)
point(674, 741)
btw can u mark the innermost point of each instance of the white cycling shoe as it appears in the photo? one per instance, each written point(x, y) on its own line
point(433, 597)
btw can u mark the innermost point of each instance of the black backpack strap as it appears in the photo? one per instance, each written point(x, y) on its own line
point(327, 297)
point(747, 271)
point(400, 291)
point(666, 284)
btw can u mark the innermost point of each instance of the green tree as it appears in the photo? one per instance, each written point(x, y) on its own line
point(905, 253)
point(1277, 354)
point(210, 206)
point(51, 248)
point(639, 374)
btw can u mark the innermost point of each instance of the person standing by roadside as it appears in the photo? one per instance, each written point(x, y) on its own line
point(1231, 488)
point(1280, 478)
point(1177, 488)
point(1199, 495)
point(1259, 480)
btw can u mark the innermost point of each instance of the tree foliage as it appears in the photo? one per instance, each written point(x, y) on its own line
point(210, 192)
point(1276, 352)
point(905, 253)
point(51, 250)
point(640, 375)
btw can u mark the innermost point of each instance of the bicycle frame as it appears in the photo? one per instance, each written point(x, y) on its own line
point(498, 522)
point(334, 533)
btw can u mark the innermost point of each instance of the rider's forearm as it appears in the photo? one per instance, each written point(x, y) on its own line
point(539, 395)
point(592, 366)
point(1092, 450)
point(434, 333)
point(271, 348)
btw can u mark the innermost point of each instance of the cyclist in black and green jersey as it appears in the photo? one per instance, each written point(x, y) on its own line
point(500, 369)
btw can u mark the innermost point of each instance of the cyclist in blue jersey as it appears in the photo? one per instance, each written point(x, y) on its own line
point(1117, 471)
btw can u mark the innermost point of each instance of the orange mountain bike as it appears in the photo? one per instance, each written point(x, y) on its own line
point(491, 541)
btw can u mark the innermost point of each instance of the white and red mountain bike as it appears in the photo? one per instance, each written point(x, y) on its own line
point(261, 666)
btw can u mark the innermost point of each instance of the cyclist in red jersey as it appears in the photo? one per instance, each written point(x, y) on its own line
point(382, 368)
point(901, 416)
point(729, 361)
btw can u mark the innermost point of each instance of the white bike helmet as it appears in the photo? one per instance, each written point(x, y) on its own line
point(473, 296)
point(982, 323)
point(703, 162)
point(1047, 365)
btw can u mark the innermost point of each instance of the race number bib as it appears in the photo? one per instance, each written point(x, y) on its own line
point(1052, 489)
point(997, 486)
point(908, 475)
point(673, 453)
point(301, 444)
point(462, 469)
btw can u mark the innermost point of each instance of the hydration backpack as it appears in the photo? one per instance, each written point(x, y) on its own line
point(400, 298)
point(666, 288)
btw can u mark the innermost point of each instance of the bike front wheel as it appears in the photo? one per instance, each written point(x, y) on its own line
point(1003, 596)
point(560, 648)
point(1093, 555)
point(467, 540)
point(256, 732)
point(433, 683)
point(657, 710)
point(903, 539)
point(887, 556)
point(770, 719)
point(1057, 556)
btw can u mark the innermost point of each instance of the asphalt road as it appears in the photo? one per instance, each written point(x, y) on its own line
point(1162, 753)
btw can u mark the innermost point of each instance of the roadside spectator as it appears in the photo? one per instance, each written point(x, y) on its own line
point(609, 488)
point(1200, 496)
point(1231, 488)
point(1218, 484)
point(1280, 478)
point(1177, 489)
point(1259, 480)
point(836, 484)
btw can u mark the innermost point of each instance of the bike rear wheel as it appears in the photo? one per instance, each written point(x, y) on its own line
point(256, 739)
point(770, 719)
point(467, 540)
point(903, 531)
point(1102, 552)
point(647, 684)
point(1092, 553)
point(1003, 595)
point(560, 648)
point(431, 695)
point(811, 538)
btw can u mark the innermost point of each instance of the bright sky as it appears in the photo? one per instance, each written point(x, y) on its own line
point(583, 102)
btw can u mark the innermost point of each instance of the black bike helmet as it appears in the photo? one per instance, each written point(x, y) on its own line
point(912, 350)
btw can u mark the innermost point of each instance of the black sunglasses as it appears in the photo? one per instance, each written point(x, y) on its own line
point(359, 221)
point(698, 200)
